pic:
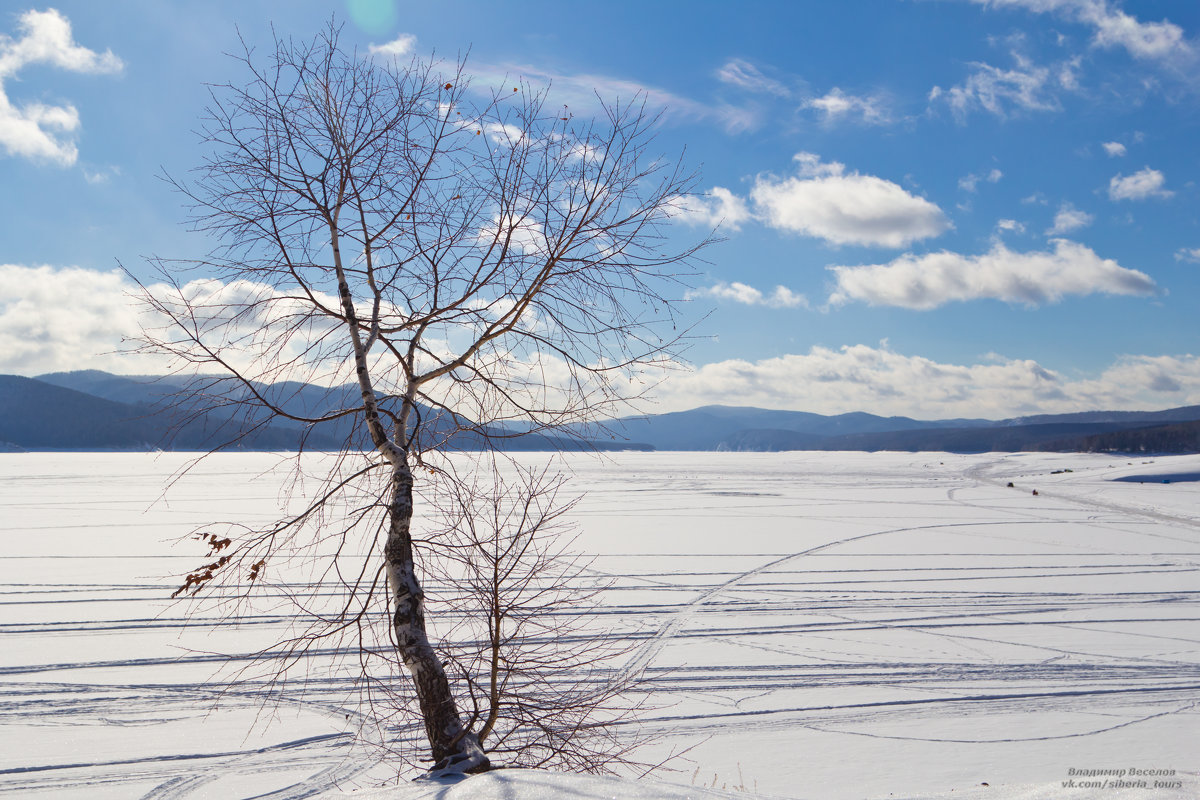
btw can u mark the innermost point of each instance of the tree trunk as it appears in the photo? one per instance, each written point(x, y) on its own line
point(454, 748)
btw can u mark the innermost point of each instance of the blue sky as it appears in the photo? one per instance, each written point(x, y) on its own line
point(936, 208)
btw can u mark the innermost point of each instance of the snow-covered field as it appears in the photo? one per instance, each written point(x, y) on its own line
point(822, 625)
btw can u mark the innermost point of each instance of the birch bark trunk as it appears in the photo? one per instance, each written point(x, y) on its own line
point(454, 748)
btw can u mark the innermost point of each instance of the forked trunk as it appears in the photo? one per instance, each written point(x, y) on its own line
point(454, 748)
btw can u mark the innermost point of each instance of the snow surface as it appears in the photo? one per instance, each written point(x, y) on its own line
point(818, 625)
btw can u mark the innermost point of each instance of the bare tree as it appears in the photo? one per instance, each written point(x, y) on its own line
point(460, 268)
point(542, 683)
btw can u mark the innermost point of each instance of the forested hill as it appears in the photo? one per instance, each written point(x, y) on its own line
point(92, 410)
point(755, 429)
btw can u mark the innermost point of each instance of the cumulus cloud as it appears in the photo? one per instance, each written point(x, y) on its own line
point(1069, 218)
point(836, 105)
point(1025, 87)
point(1146, 40)
point(825, 201)
point(402, 45)
point(1010, 225)
point(744, 75)
point(880, 381)
point(66, 318)
point(1191, 254)
point(1114, 149)
point(34, 130)
point(928, 281)
point(1140, 185)
point(61, 319)
point(781, 297)
point(717, 206)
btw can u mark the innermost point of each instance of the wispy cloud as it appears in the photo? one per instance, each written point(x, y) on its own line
point(836, 106)
point(744, 75)
point(1191, 254)
point(927, 281)
point(1113, 28)
point(402, 45)
point(780, 297)
point(34, 130)
point(586, 92)
point(1141, 185)
point(1025, 87)
point(1114, 149)
point(969, 183)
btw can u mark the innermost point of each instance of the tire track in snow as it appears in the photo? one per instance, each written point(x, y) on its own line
point(649, 651)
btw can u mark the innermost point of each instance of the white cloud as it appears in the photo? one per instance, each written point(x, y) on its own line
point(1026, 87)
point(402, 45)
point(1191, 254)
point(717, 206)
point(1140, 185)
point(102, 175)
point(583, 92)
point(62, 319)
point(969, 183)
point(781, 297)
point(928, 281)
point(1069, 218)
point(522, 234)
point(1112, 27)
point(71, 318)
point(836, 105)
point(877, 380)
point(66, 318)
point(35, 130)
point(1010, 225)
point(1147, 40)
point(504, 133)
point(744, 75)
point(822, 200)
point(1068, 74)
point(1114, 149)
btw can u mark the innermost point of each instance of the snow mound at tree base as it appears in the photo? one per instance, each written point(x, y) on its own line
point(532, 784)
point(529, 784)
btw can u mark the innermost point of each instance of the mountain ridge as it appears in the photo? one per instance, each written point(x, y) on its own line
point(130, 412)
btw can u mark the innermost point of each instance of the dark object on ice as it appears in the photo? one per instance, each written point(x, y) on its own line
point(1035, 492)
point(1161, 477)
point(1010, 484)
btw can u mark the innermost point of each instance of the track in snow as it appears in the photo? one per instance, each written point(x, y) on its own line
point(914, 600)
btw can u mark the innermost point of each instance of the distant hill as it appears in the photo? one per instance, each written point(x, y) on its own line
point(1181, 414)
point(747, 428)
point(35, 415)
point(130, 389)
point(754, 429)
point(93, 410)
point(97, 410)
point(1183, 437)
point(39, 415)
